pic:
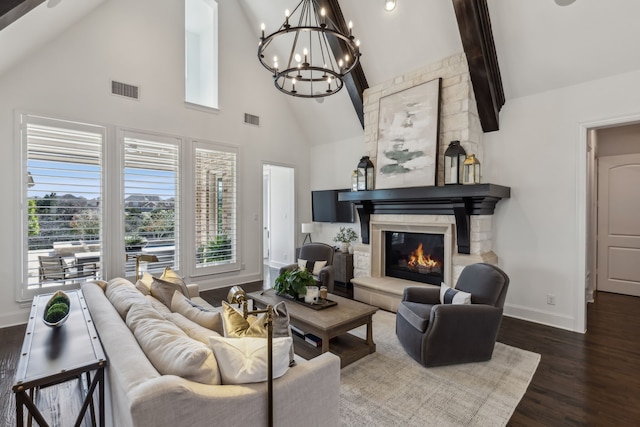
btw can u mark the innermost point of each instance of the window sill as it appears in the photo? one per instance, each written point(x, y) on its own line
point(202, 108)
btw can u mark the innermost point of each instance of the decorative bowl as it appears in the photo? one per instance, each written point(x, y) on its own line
point(62, 303)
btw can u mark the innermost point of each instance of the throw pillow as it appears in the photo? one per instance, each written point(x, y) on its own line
point(281, 327)
point(453, 296)
point(313, 267)
point(192, 329)
point(169, 349)
point(200, 315)
point(144, 283)
point(235, 325)
point(244, 360)
point(163, 290)
point(171, 276)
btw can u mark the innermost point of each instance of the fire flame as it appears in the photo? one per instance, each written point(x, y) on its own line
point(417, 258)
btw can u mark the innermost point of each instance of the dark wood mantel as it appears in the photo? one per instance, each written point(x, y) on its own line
point(462, 201)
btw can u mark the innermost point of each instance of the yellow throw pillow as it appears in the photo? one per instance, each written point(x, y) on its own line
point(236, 326)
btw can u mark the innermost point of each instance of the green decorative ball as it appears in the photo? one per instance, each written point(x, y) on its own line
point(59, 299)
point(56, 312)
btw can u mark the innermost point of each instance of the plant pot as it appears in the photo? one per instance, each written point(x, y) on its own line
point(344, 247)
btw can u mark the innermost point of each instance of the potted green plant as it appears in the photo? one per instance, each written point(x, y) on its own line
point(294, 283)
point(134, 242)
point(345, 236)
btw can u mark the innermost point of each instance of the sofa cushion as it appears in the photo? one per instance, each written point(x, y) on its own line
point(192, 329)
point(453, 296)
point(200, 315)
point(160, 307)
point(163, 290)
point(123, 295)
point(244, 360)
point(169, 349)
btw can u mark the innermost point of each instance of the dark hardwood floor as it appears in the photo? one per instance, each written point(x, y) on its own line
point(582, 380)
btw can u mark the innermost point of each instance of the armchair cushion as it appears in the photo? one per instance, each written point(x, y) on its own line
point(416, 314)
point(453, 296)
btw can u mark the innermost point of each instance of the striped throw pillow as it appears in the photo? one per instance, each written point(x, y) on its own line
point(452, 296)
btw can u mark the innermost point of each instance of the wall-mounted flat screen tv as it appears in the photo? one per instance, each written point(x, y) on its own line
point(325, 207)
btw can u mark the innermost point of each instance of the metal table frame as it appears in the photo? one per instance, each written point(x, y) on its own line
point(54, 355)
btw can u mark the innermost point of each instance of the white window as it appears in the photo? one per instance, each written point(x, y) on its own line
point(215, 207)
point(91, 206)
point(201, 52)
point(151, 200)
point(61, 203)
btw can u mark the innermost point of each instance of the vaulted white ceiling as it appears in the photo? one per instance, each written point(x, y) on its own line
point(540, 46)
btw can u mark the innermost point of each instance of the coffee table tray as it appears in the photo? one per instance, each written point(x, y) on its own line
point(326, 303)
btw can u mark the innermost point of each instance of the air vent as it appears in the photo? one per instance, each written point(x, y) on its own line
point(250, 119)
point(123, 89)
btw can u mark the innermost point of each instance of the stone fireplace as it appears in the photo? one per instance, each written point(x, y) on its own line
point(371, 283)
point(461, 215)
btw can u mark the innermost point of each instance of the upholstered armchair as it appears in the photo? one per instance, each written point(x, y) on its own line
point(310, 254)
point(442, 334)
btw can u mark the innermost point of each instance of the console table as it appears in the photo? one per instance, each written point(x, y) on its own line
point(51, 356)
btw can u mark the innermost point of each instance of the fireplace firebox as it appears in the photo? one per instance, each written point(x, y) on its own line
point(414, 256)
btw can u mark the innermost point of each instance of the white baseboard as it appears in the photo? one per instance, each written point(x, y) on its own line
point(540, 316)
point(14, 318)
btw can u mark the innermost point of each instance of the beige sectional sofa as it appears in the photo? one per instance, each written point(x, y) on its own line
point(138, 395)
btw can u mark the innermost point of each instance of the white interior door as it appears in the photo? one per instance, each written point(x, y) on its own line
point(619, 224)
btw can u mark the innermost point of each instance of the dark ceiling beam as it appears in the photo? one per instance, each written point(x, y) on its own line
point(355, 82)
point(12, 10)
point(474, 25)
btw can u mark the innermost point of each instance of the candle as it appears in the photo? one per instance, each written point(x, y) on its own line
point(262, 27)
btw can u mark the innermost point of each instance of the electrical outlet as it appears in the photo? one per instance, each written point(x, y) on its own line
point(551, 299)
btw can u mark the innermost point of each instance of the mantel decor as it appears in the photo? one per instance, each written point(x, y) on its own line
point(408, 128)
point(458, 200)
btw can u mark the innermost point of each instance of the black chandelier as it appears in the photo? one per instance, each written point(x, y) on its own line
point(312, 69)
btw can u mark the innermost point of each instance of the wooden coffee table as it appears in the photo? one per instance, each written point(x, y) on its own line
point(331, 325)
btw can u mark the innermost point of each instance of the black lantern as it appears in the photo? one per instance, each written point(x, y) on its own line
point(365, 174)
point(454, 158)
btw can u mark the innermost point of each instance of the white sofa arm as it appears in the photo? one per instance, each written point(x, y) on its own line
point(194, 290)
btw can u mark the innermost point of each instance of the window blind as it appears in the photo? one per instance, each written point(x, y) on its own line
point(150, 202)
point(215, 207)
point(64, 211)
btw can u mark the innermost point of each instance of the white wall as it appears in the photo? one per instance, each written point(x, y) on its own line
point(331, 169)
point(70, 78)
point(540, 152)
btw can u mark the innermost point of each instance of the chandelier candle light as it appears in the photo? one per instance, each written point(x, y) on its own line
point(310, 41)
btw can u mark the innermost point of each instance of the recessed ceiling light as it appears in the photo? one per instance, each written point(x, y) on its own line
point(564, 2)
point(389, 5)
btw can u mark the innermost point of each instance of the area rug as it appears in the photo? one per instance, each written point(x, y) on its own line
point(389, 388)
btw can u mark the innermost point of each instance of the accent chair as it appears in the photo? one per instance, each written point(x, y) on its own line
point(437, 334)
point(312, 253)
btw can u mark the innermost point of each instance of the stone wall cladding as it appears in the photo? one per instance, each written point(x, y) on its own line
point(458, 111)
